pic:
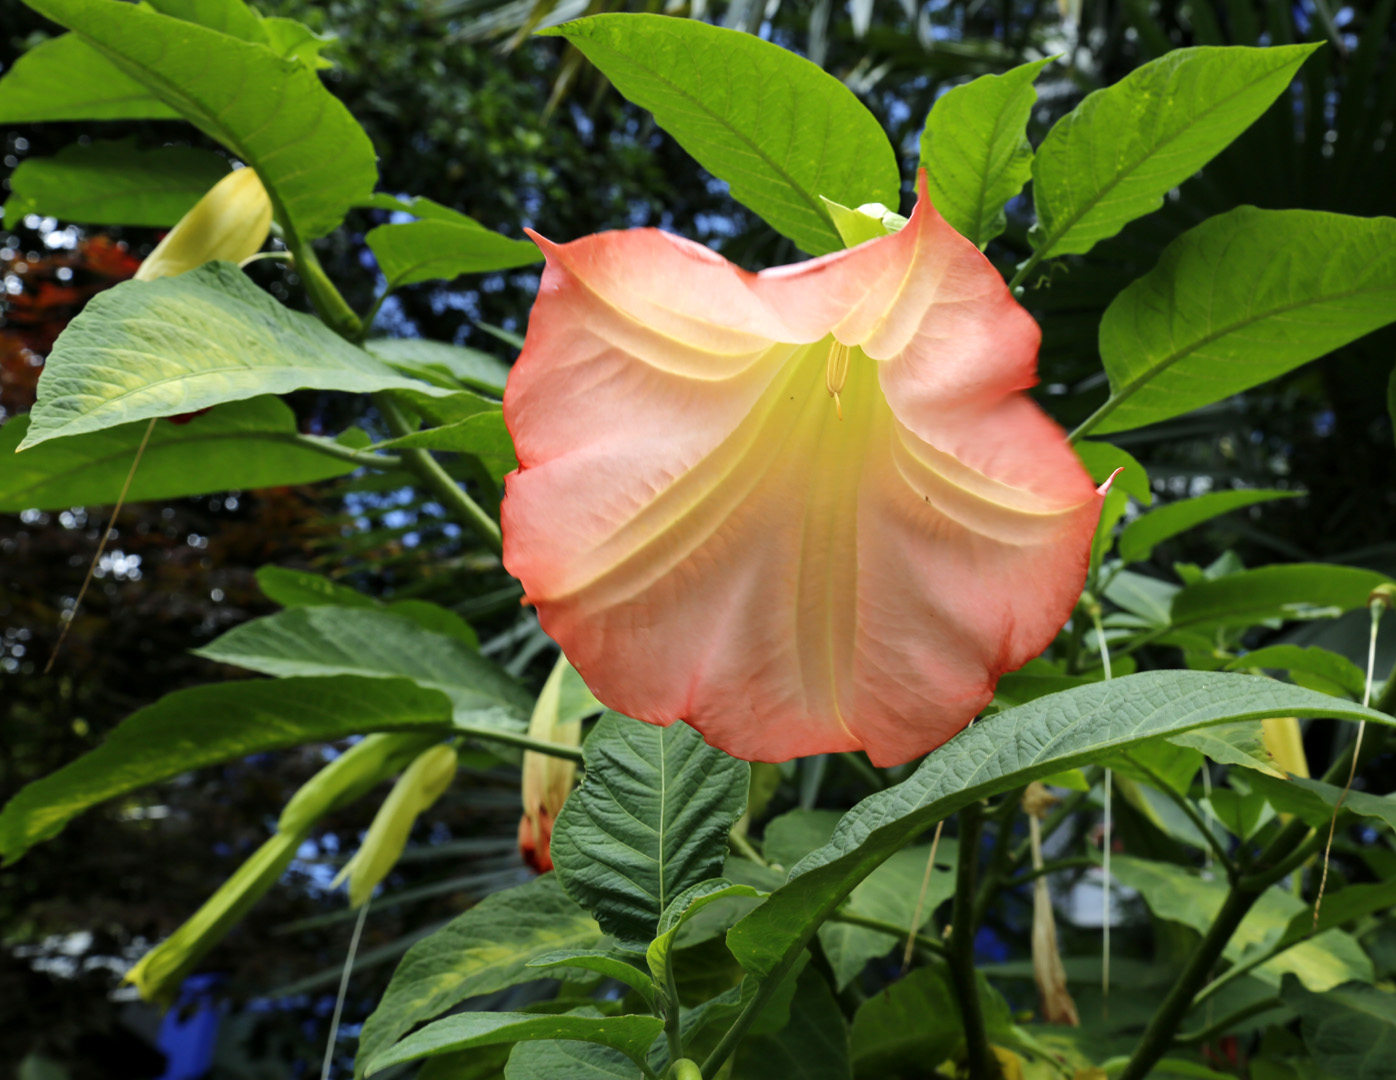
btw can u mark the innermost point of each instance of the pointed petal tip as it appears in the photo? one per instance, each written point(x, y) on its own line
point(1104, 488)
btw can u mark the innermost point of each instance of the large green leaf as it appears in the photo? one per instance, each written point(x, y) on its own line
point(334, 640)
point(226, 16)
point(113, 183)
point(1114, 157)
point(433, 360)
point(776, 127)
point(175, 345)
point(242, 445)
point(1287, 591)
point(425, 250)
point(650, 820)
point(1243, 297)
point(208, 724)
point(272, 112)
point(998, 754)
point(1175, 893)
point(812, 1046)
point(1315, 803)
point(1350, 1030)
point(1145, 532)
point(975, 149)
point(65, 78)
point(631, 1035)
point(483, 435)
point(486, 949)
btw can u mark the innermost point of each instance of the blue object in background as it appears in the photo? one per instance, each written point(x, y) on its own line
point(190, 1029)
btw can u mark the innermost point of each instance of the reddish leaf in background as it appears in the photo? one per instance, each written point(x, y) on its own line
point(35, 316)
point(806, 510)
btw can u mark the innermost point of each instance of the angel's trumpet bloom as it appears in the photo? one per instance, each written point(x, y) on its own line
point(805, 510)
point(230, 222)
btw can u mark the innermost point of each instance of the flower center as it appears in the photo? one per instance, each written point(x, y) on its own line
point(836, 372)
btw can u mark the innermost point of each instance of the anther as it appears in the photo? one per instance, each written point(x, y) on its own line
point(836, 373)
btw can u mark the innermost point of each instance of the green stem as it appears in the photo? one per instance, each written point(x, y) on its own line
point(1000, 862)
point(333, 308)
point(926, 942)
point(734, 1035)
point(538, 746)
point(366, 326)
point(1083, 862)
point(330, 448)
point(742, 846)
point(1183, 803)
point(1205, 1035)
point(672, 1032)
point(1086, 426)
point(1023, 271)
point(983, 1065)
point(439, 481)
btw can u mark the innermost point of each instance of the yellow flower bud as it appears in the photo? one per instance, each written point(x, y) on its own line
point(360, 768)
point(420, 785)
point(547, 780)
point(231, 222)
point(1285, 743)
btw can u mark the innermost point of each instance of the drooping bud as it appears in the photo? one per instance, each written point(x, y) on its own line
point(1047, 969)
point(351, 775)
point(548, 779)
point(160, 972)
point(230, 222)
point(420, 785)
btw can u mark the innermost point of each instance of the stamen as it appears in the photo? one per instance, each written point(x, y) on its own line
point(836, 372)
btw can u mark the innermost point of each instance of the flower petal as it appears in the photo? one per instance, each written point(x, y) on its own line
point(708, 540)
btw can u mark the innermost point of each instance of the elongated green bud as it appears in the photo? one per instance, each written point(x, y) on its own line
point(159, 973)
point(230, 222)
point(684, 1069)
point(351, 775)
point(417, 788)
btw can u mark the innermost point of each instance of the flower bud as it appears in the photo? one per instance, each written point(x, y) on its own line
point(547, 780)
point(230, 222)
point(420, 785)
point(159, 973)
point(351, 775)
point(1285, 743)
point(1047, 968)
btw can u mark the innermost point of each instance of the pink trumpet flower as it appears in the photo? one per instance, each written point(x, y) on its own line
point(805, 510)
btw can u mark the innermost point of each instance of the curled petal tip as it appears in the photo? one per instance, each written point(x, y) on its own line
point(1104, 488)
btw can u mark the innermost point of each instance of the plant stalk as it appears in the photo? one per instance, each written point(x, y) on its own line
point(983, 1065)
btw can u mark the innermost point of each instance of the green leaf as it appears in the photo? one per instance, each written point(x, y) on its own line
point(812, 1046)
point(1000, 753)
point(243, 445)
point(1176, 894)
point(1350, 1030)
point(1291, 591)
point(488, 948)
point(1145, 532)
point(208, 724)
point(975, 149)
point(890, 894)
point(418, 251)
point(295, 40)
point(858, 226)
point(113, 183)
point(1314, 802)
point(650, 819)
point(613, 967)
point(1243, 297)
point(776, 127)
point(155, 348)
point(1241, 743)
point(226, 16)
point(483, 435)
point(1114, 157)
point(915, 1025)
point(272, 112)
point(631, 1035)
point(431, 360)
point(568, 1061)
point(1330, 670)
point(65, 78)
point(687, 903)
point(1101, 459)
point(1339, 906)
point(361, 641)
